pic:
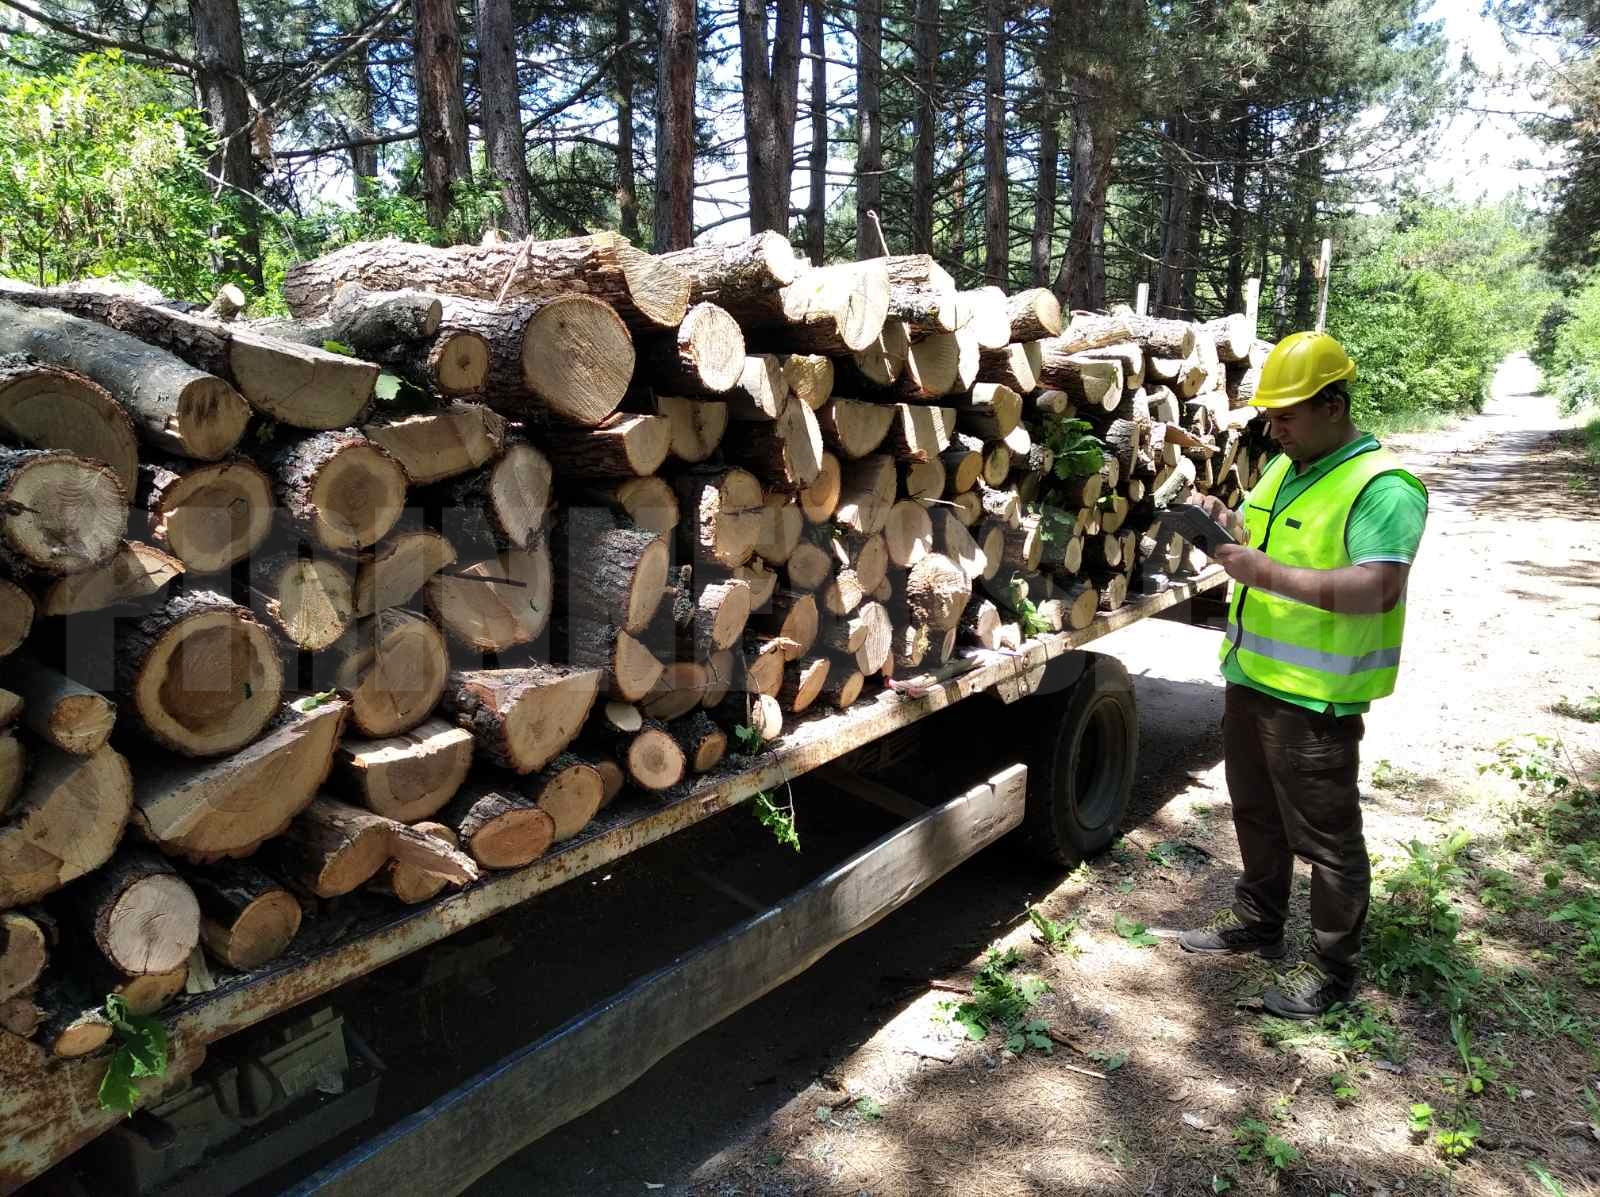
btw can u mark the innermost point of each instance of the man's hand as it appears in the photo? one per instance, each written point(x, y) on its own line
point(1248, 567)
point(1224, 515)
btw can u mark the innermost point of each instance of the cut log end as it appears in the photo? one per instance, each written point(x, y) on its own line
point(59, 513)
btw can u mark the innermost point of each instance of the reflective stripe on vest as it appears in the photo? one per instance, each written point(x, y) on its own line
point(1295, 647)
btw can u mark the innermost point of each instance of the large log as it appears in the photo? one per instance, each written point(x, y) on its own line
point(987, 317)
point(1034, 314)
point(829, 309)
point(989, 410)
point(853, 428)
point(58, 710)
point(410, 776)
point(724, 514)
point(142, 916)
point(59, 513)
point(761, 389)
point(1017, 366)
point(45, 407)
point(435, 445)
point(1087, 382)
point(522, 719)
point(394, 667)
point(497, 603)
point(937, 590)
point(247, 919)
point(135, 571)
point(202, 676)
point(210, 810)
point(206, 514)
point(1091, 330)
point(65, 824)
point(922, 293)
point(703, 356)
point(867, 493)
point(341, 490)
point(610, 574)
point(622, 446)
point(810, 376)
point(173, 406)
point(648, 292)
point(1162, 338)
point(393, 573)
point(501, 506)
point(733, 274)
point(567, 358)
point(371, 322)
point(299, 385)
point(786, 452)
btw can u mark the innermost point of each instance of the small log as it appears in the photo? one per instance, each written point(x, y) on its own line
point(342, 490)
point(923, 480)
point(208, 515)
point(934, 368)
point(13, 767)
point(16, 616)
point(803, 683)
point(760, 390)
point(1021, 547)
point(622, 446)
point(981, 623)
point(393, 665)
point(495, 604)
point(877, 366)
point(996, 464)
point(704, 744)
point(792, 618)
point(212, 810)
point(1162, 338)
point(725, 511)
point(412, 885)
point(1034, 314)
point(647, 291)
point(630, 666)
point(841, 594)
point(1113, 593)
point(408, 777)
point(968, 507)
point(334, 849)
point(721, 671)
point(819, 500)
point(201, 675)
point(135, 571)
point(652, 757)
point(647, 503)
point(501, 506)
point(695, 426)
point(854, 429)
point(1087, 382)
point(878, 642)
point(143, 917)
point(1002, 505)
point(24, 951)
point(828, 309)
point(59, 711)
point(393, 573)
point(782, 524)
point(763, 666)
point(922, 293)
point(44, 407)
point(721, 610)
point(610, 574)
point(843, 686)
point(920, 433)
point(808, 567)
point(786, 451)
point(810, 377)
point(497, 828)
point(373, 321)
point(173, 406)
point(867, 494)
point(247, 919)
point(908, 534)
point(866, 557)
point(704, 355)
point(1016, 366)
point(522, 719)
point(59, 514)
point(991, 541)
point(762, 581)
point(570, 791)
point(734, 273)
point(310, 599)
point(66, 1030)
point(989, 410)
point(680, 689)
point(453, 363)
point(957, 544)
point(937, 590)
point(433, 446)
point(963, 465)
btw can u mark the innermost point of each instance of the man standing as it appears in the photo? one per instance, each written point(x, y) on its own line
point(1327, 536)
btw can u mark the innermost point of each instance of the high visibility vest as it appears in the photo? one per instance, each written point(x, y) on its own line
point(1293, 646)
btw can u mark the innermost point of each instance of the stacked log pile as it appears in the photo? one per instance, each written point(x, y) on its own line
point(409, 586)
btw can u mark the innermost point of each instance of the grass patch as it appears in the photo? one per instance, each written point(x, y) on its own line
point(1384, 425)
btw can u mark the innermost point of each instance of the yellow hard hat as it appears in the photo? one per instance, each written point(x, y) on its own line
point(1298, 367)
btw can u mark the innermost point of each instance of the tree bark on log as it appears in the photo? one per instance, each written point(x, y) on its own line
point(141, 915)
point(409, 884)
point(730, 275)
point(205, 811)
point(724, 510)
point(498, 829)
point(45, 407)
point(648, 292)
point(828, 309)
point(59, 514)
point(922, 294)
point(433, 446)
point(622, 446)
point(408, 777)
point(1034, 314)
point(66, 823)
point(610, 574)
point(522, 719)
point(173, 406)
point(208, 515)
point(135, 571)
point(937, 590)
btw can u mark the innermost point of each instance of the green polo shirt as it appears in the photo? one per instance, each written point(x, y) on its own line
point(1385, 525)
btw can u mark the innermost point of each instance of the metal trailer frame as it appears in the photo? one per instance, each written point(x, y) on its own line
point(49, 1108)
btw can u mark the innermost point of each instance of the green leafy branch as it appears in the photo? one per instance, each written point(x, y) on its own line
point(778, 819)
point(141, 1051)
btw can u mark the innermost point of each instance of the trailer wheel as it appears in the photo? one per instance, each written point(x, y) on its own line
point(1081, 763)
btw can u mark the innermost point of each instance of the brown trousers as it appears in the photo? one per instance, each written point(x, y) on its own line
point(1292, 777)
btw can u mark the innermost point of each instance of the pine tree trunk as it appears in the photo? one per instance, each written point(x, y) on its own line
point(869, 150)
point(219, 54)
point(817, 203)
point(500, 110)
point(925, 50)
point(997, 183)
point(675, 105)
point(441, 106)
point(627, 190)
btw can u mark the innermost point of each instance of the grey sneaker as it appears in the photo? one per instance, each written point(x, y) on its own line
point(1225, 933)
point(1304, 992)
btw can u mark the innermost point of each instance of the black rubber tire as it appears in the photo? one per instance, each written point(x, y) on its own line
point(1081, 763)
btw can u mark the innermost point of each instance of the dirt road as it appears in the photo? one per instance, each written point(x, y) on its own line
point(847, 1080)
